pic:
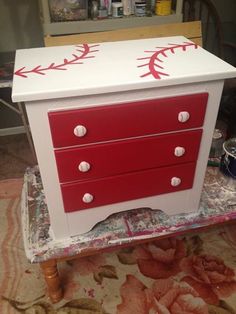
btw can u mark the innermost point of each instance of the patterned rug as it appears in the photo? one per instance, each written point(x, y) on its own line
point(192, 274)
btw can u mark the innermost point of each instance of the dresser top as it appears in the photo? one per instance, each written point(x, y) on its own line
point(87, 69)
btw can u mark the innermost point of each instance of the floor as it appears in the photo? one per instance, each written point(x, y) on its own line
point(15, 156)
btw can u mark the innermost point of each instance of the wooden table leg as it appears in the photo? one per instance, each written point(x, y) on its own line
point(52, 279)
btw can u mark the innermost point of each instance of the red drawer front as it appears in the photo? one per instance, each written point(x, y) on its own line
point(126, 156)
point(126, 187)
point(139, 118)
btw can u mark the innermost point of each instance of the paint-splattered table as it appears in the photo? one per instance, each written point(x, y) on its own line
point(218, 205)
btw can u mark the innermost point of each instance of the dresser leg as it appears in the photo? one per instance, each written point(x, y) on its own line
point(52, 279)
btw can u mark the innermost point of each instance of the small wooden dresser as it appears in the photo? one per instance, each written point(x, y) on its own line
point(120, 125)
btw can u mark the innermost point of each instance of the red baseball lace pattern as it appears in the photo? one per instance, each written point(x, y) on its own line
point(153, 61)
point(84, 50)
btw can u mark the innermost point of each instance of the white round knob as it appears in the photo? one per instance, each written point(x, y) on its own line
point(183, 116)
point(175, 181)
point(84, 166)
point(87, 198)
point(179, 151)
point(80, 131)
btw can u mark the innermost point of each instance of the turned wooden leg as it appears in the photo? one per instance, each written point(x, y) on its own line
point(52, 279)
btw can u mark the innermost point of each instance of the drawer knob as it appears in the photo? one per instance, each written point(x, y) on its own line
point(179, 151)
point(87, 198)
point(175, 181)
point(84, 166)
point(80, 131)
point(183, 116)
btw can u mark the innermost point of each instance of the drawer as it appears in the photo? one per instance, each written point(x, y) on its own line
point(112, 158)
point(109, 190)
point(103, 123)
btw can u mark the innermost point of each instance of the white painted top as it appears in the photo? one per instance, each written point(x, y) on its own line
point(86, 69)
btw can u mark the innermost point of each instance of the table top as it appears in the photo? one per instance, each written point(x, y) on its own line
point(88, 69)
point(218, 205)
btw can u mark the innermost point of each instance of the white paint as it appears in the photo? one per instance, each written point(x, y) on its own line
point(115, 67)
point(175, 181)
point(74, 223)
point(84, 166)
point(179, 151)
point(80, 130)
point(183, 116)
point(87, 198)
point(120, 82)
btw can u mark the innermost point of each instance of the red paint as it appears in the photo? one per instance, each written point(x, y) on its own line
point(104, 123)
point(126, 187)
point(155, 58)
point(85, 50)
point(127, 156)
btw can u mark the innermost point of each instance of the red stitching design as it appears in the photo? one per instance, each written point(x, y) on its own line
point(154, 59)
point(84, 49)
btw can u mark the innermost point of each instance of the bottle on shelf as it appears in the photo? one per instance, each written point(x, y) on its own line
point(94, 10)
point(107, 4)
point(149, 7)
point(102, 13)
point(117, 9)
point(140, 8)
point(127, 7)
point(163, 7)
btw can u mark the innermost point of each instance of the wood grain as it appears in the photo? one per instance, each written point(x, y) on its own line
point(191, 30)
point(52, 279)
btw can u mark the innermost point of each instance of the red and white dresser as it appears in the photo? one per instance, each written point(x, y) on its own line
point(120, 125)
